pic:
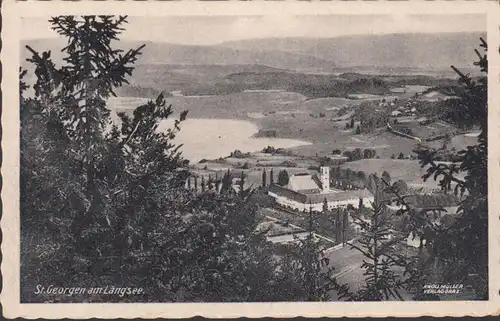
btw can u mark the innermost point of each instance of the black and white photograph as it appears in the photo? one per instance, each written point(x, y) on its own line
point(244, 158)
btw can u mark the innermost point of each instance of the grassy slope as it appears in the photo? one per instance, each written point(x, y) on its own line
point(407, 170)
point(294, 116)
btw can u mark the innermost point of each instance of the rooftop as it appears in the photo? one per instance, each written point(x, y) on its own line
point(338, 196)
point(305, 198)
point(302, 183)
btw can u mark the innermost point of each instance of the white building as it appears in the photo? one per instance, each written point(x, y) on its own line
point(305, 191)
point(414, 241)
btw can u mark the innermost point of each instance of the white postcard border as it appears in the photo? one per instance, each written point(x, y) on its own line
point(10, 296)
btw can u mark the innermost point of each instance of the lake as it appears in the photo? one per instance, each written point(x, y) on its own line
point(210, 138)
point(214, 138)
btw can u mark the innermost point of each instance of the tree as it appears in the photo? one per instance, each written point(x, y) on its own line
point(386, 177)
point(105, 175)
point(308, 267)
point(354, 155)
point(401, 186)
point(362, 176)
point(210, 183)
point(338, 225)
point(345, 225)
point(264, 178)
point(325, 206)
point(219, 249)
point(352, 123)
point(377, 246)
point(401, 156)
point(348, 174)
point(107, 202)
point(283, 178)
point(77, 91)
point(244, 193)
point(227, 183)
point(358, 130)
point(271, 178)
point(462, 248)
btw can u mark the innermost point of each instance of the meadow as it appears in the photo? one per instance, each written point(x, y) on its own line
point(408, 170)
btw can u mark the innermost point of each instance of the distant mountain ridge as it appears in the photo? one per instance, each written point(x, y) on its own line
point(176, 54)
point(416, 50)
point(395, 51)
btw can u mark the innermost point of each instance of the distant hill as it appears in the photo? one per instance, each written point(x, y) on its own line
point(391, 54)
point(301, 65)
point(175, 54)
point(393, 51)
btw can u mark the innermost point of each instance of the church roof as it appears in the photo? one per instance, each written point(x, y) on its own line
point(302, 182)
point(336, 196)
point(315, 198)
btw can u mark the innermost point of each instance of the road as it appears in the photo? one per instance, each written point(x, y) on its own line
point(347, 263)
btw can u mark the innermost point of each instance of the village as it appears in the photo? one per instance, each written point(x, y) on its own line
point(330, 197)
point(326, 203)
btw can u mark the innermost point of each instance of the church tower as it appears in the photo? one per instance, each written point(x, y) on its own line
point(325, 178)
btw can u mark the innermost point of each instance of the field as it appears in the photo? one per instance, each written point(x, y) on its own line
point(408, 170)
point(319, 122)
point(310, 108)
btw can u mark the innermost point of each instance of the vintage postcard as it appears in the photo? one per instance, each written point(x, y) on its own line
point(250, 159)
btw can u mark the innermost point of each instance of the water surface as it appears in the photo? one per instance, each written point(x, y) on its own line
point(214, 138)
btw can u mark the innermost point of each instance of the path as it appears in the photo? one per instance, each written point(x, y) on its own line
point(396, 132)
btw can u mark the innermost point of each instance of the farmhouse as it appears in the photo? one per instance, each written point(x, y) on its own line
point(305, 191)
point(436, 95)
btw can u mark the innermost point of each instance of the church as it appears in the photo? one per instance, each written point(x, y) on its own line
point(306, 191)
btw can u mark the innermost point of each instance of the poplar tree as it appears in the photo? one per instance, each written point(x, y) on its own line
point(283, 178)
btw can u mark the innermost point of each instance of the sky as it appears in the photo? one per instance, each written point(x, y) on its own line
point(210, 30)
